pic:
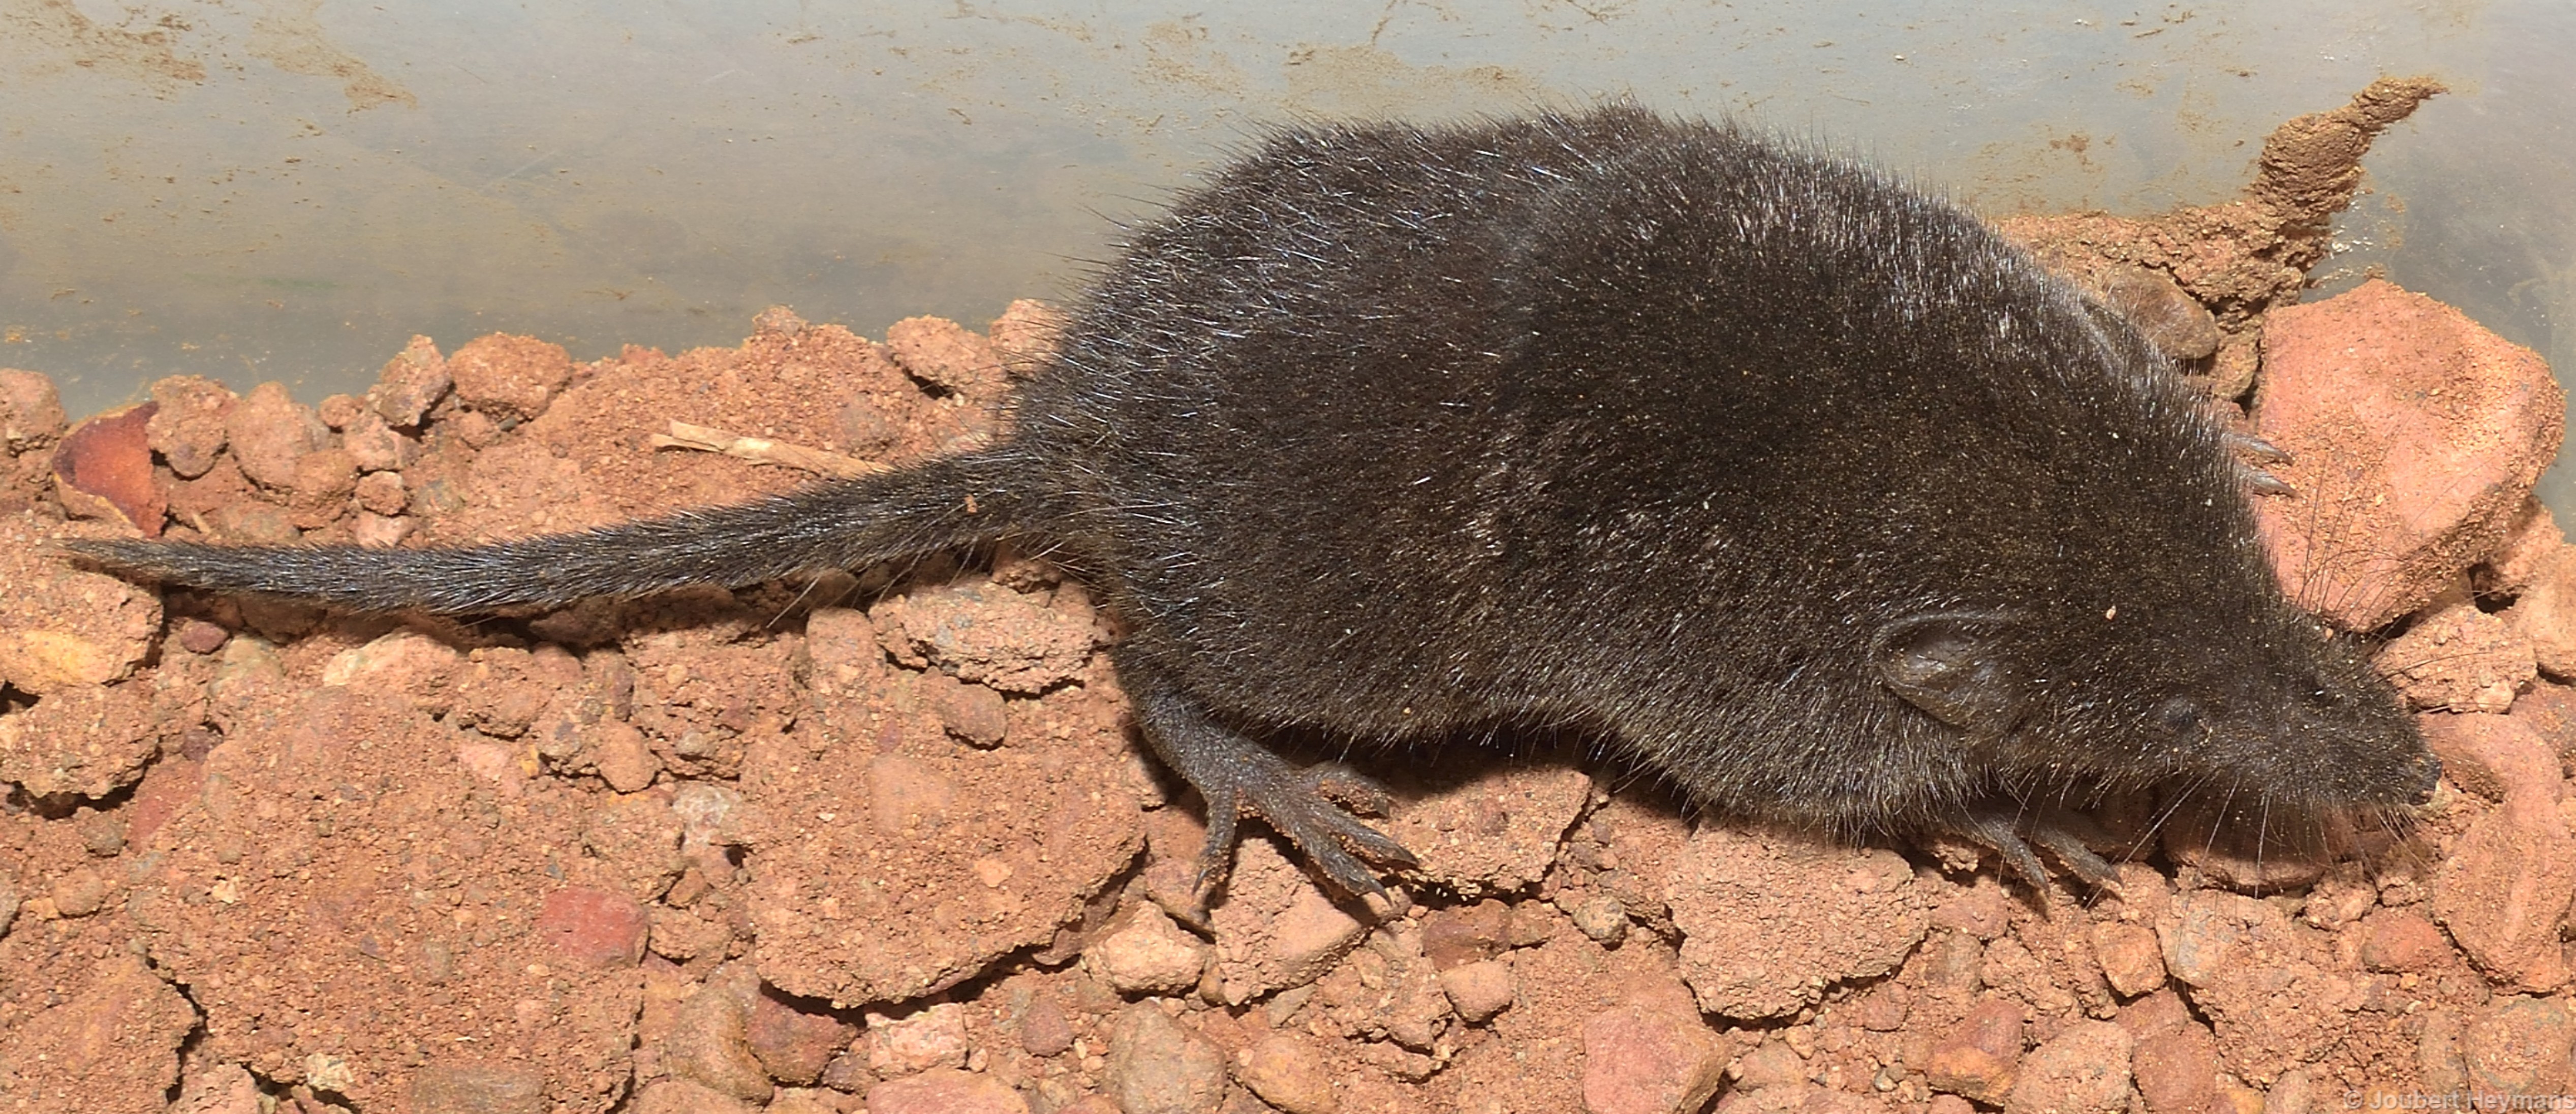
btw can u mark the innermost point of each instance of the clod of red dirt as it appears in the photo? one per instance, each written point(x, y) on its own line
point(2544, 613)
point(2458, 658)
point(2174, 1058)
point(2270, 987)
point(2239, 259)
point(2415, 437)
point(269, 431)
point(1276, 928)
point(31, 410)
point(509, 377)
point(1770, 920)
point(1494, 833)
point(896, 863)
point(111, 1046)
point(393, 958)
point(87, 740)
point(188, 428)
point(1289, 1074)
point(2084, 1069)
point(1650, 1057)
point(103, 469)
point(62, 627)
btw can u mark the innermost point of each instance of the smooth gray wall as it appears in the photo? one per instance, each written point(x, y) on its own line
point(287, 189)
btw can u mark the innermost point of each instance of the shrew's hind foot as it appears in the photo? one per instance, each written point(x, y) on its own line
point(1239, 776)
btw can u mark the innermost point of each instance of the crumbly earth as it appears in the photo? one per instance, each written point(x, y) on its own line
point(885, 840)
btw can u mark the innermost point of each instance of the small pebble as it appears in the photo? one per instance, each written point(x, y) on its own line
point(79, 892)
point(1602, 918)
point(1288, 1074)
point(1479, 990)
point(198, 636)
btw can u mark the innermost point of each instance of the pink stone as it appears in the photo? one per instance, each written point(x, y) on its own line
point(1641, 1060)
point(945, 1091)
point(1981, 1055)
point(2402, 940)
point(794, 1046)
point(593, 926)
point(2415, 437)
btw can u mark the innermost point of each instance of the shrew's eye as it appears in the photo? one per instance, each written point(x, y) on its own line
point(2178, 714)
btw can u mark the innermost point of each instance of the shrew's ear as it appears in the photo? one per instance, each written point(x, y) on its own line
point(1953, 665)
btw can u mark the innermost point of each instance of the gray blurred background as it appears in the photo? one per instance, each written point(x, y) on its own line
point(288, 189)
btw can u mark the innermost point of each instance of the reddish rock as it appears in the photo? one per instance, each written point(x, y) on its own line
point(930, 1038)
point(2520, 1046)
point(2505, 889)
point(110, 1047)
point(2459, 659)
point(198, 636)
point(793, 1045)
point(1151, 955)
point(1463, 934)
point(1289, 1074)
point(2084, 1069)
point(593, 926)
point(381, 492)
point(1979, 1057)
point(943, 353)
point(2493, 756)
point(1775, 1064)
point(972, 714)
point(219, 1089)
point(103, 470)
point(945, 1091)
point(1044, 1029)
point(2130, 957)
point(2402, 940)
point(1479, 990)
point(985, 633)
point(1770, 919)
point(2415, 437)
point(710, 1042)
point(1275, 929)
point(324, 480)
point(1649, 1058)
point(2274, 993)
point(270, 431)
point(2176, 1070)
point(508, 377)
point(1982, 909)
point(1157, 1067)
point(187, 428)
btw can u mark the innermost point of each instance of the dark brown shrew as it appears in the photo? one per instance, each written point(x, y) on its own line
point(1797, 487)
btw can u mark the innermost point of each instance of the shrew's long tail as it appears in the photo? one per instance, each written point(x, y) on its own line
point(840, 524)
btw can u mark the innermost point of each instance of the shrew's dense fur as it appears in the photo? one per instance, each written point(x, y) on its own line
point(1797, 486)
